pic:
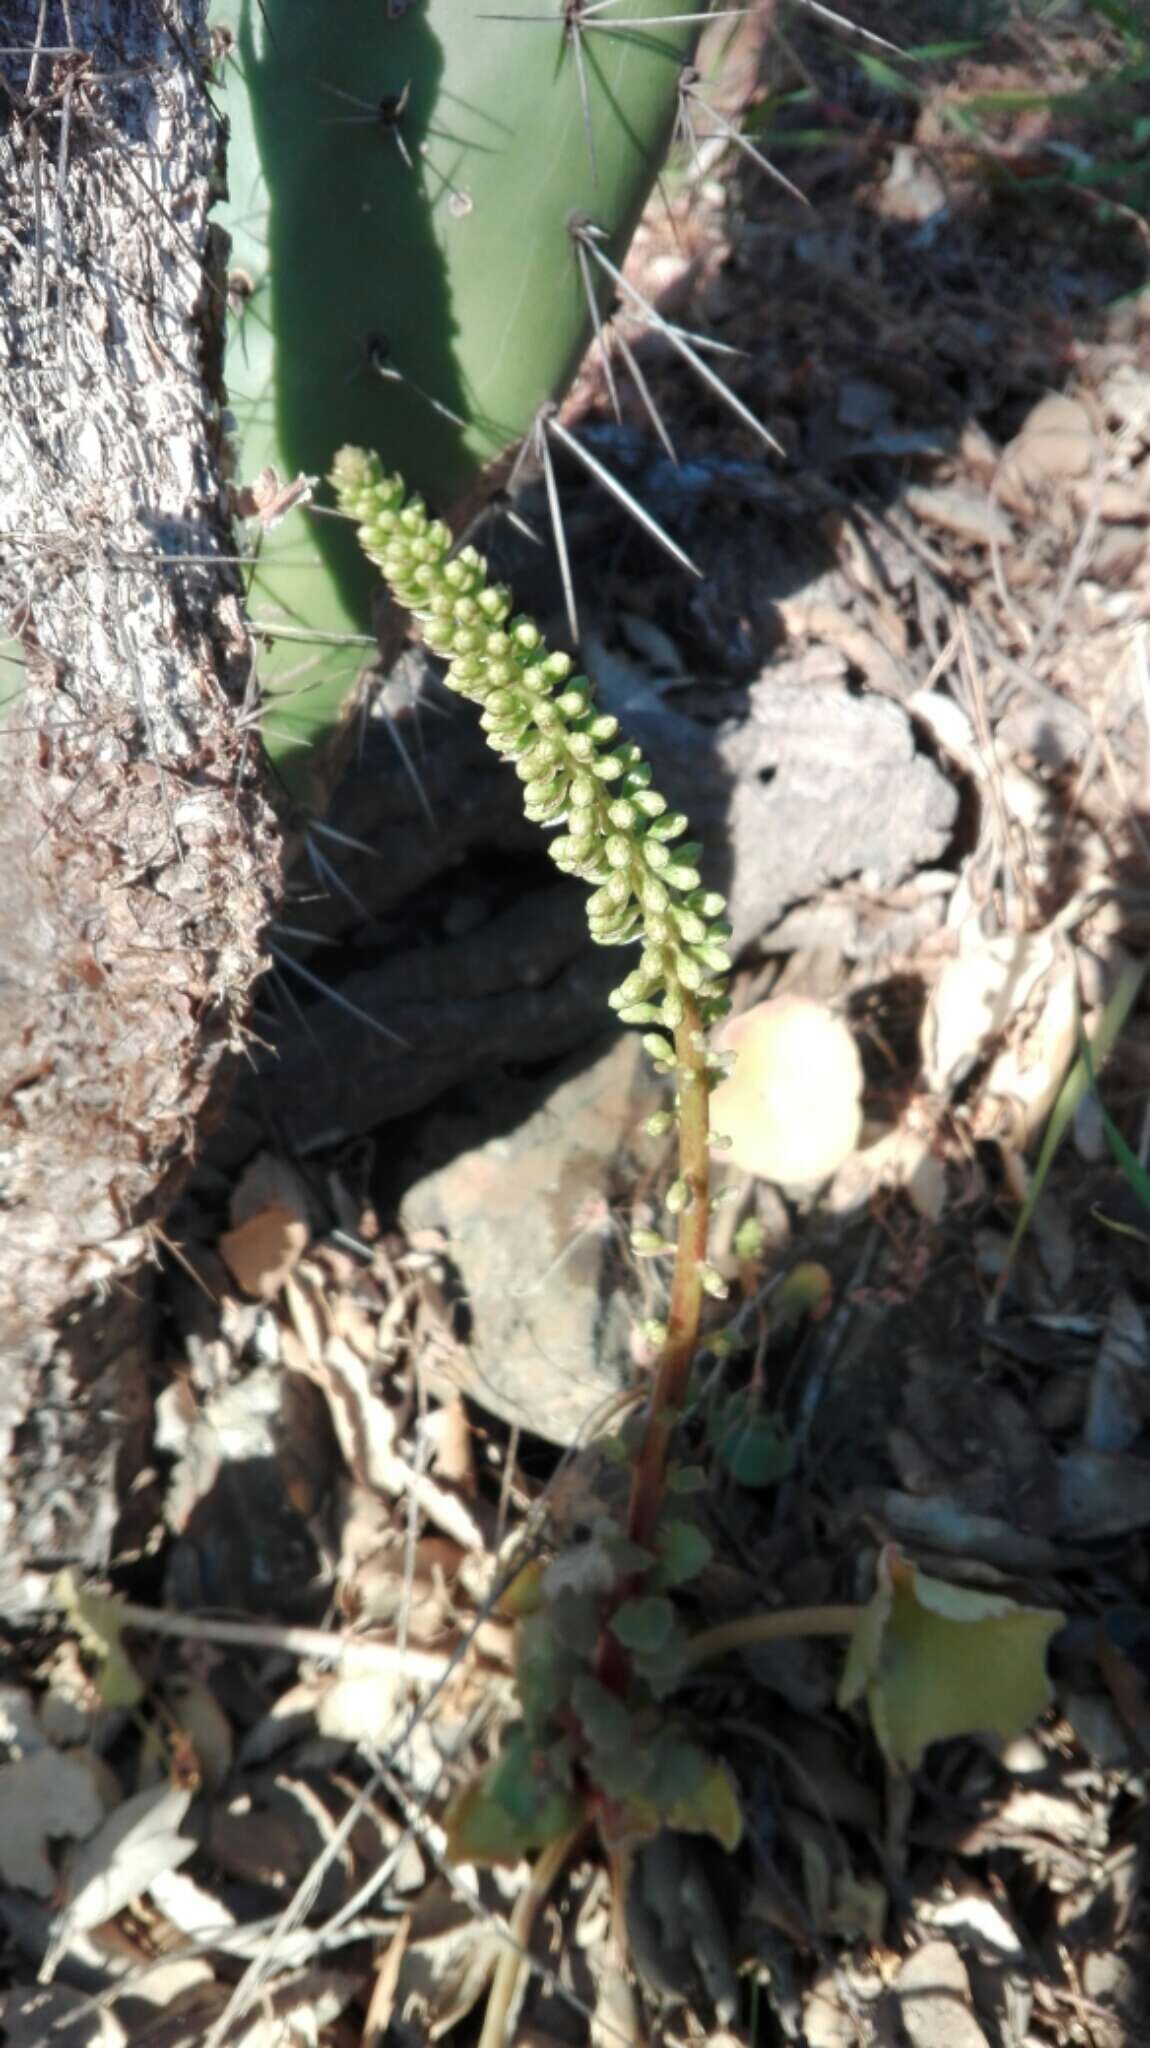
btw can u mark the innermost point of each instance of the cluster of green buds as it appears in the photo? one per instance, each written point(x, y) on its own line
point(618, 834)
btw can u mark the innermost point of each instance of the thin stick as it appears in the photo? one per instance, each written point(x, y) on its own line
point(427, 1667)
point(512, 1962)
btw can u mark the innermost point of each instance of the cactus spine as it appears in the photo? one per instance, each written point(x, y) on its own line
point(402, 195)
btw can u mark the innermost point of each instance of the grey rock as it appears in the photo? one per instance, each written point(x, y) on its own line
point(539, 1257)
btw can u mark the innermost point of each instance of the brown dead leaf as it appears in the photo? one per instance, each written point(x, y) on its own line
point(969, 515)
point(904, 1158)
point(449, 1433)
point(263, 1252)
point(1018, 986)
point(1056, 442)
point(381, 2004)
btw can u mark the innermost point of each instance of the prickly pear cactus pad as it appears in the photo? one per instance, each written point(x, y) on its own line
point(402, 189)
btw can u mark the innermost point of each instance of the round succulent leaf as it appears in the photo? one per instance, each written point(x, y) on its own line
point(605, 1720)
point(937, 1660)
point(683, 1550)
point(808, 1290)
point(686, 1479)
point(644, 1626)
point(515, 1807)
point(678, 1769)
point(662, 1670)
point(576, 1620)
point(751, 1444)
point(543, 1670)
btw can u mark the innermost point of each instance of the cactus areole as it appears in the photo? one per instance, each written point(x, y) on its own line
point(402, 202)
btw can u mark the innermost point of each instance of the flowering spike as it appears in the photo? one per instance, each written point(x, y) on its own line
point(575, 769)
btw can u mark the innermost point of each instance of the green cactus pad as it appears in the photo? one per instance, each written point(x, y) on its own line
point(400, 200)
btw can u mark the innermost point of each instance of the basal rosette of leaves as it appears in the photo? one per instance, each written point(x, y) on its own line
point(619, 835)
point(584, 1748)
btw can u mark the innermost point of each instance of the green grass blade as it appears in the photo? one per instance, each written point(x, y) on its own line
point(1076, 1085)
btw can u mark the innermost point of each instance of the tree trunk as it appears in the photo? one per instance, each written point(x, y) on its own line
point(138, 858)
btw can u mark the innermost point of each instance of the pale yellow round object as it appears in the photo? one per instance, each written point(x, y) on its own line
point(792, 1105)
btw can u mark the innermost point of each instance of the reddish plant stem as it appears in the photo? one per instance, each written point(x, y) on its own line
point(673, 1370)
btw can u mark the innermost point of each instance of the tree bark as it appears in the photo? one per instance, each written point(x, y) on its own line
point(139, 859)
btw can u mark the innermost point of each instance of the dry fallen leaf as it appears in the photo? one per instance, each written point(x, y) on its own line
point(1020, 987)
point(261, 1253)
point(903, 1158)
point(136, 1843)
point(1056, 441)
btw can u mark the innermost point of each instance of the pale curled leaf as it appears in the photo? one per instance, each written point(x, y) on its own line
point(137, 1843)
point(365, 1429)
point(936, 1660)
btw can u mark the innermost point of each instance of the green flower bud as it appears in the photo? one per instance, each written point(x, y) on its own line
point(660, 1048)
point(653, 1332)
point(713, 1282)
point(649, 1244)
point(670, 826)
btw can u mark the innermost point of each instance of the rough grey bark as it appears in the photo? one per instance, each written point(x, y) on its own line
point(138, 859)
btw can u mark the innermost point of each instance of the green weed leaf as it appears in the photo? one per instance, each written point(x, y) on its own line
point(1075, 1086)
point(605, 1720)
point(520, 1804)
point(712, 1809)
point(752, 1445)
point(683, 1551)
point(97, 1621)
point(644, 1626)
point(685, 1479)
point(936, 1660)
point(885, 77)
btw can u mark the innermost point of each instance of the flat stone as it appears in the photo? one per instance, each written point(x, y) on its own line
point(934, 2002)
point(541, 1262)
